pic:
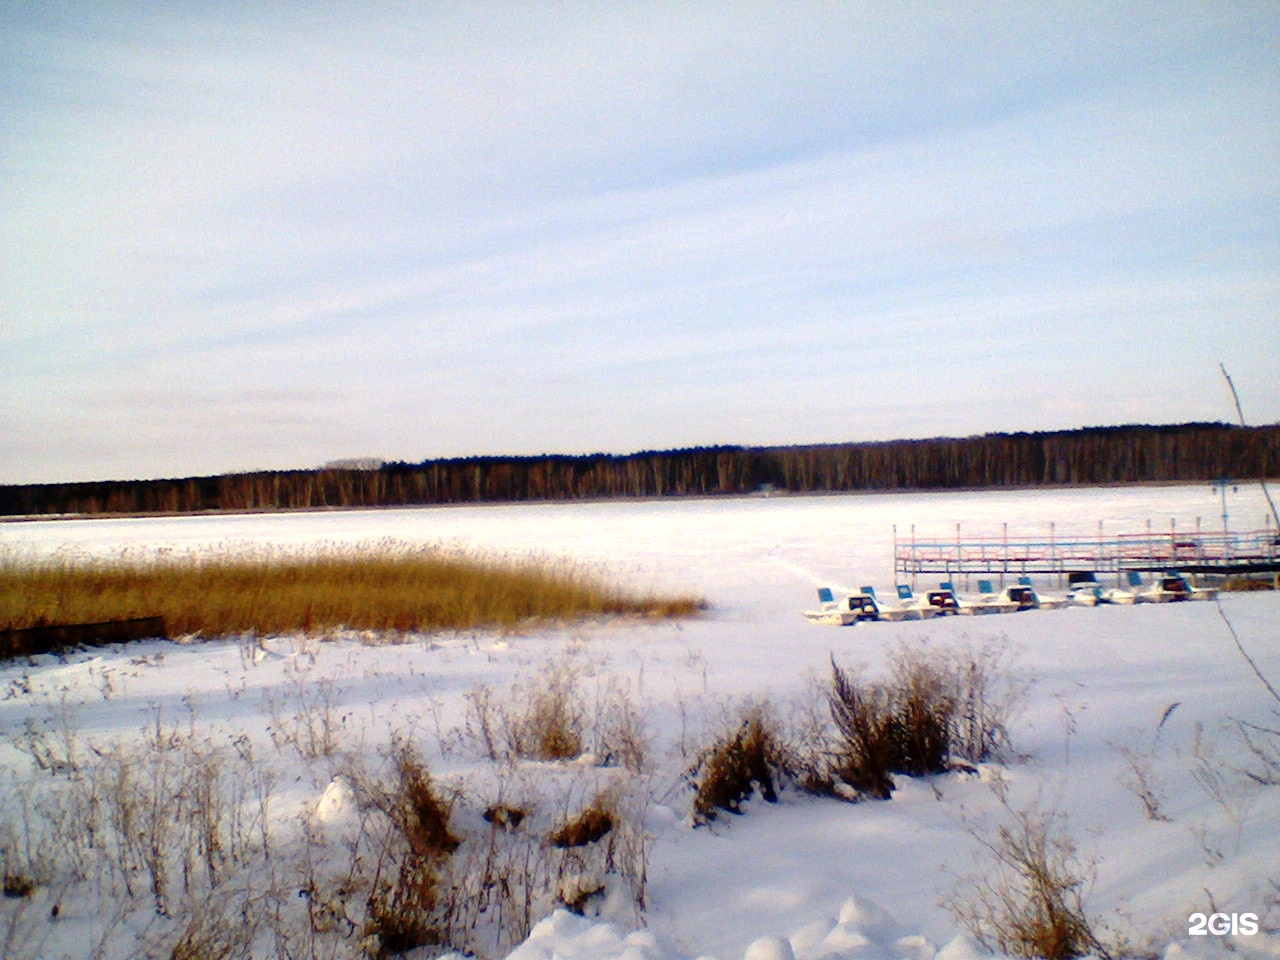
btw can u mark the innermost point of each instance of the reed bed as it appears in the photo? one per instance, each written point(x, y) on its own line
point(266, 591)
point(1250, 584)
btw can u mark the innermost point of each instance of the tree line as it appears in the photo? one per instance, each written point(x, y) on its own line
point(1089, 456)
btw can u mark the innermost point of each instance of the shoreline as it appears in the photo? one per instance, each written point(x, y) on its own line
point(689, 497)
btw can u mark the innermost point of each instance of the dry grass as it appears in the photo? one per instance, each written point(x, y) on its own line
point(184, 823)
point(549, 718)
point(551, 724)
point(1030, 903)
point(418, 809)
point(587, 826)
point(409, 907)
point(864, 718)
point(1248, 584)
point(17, 886)
point(936, 709)
point(904, 726)
point(729, 771)
point(384, 587)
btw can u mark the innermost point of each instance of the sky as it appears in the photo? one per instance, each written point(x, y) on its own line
point(240, 236)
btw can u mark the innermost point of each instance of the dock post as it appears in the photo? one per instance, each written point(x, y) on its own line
point(914, 561)
point(1053, 551)
point(895, 555)
point(1004, 550)
point(1102, 556)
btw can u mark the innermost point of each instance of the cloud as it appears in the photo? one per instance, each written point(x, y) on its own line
point(464, 226)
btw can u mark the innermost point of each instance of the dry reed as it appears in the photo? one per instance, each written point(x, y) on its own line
point(383, 587)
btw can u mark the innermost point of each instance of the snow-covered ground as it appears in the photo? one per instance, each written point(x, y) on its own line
point(805, 876)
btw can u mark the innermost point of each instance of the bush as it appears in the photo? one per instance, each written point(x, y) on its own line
point(986, 693)
point(588, 826)
point(866, 753)
point(619, 738)
point(550, 728)
point(902, 727)
point(933, 711)
point(548, 718)
point(17, 886)
point(421, 813)
point(409, 903)
point(731, 770)
point(1032, 904)
point(923, 707)
point(403, 915)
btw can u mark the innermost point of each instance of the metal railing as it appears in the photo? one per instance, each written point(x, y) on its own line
point(1197, 552)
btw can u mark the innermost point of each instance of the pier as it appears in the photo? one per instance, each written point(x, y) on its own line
point(964, 555)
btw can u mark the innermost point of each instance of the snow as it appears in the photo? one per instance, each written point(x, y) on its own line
point(802, 879)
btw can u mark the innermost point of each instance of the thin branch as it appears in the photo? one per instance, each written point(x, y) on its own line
point(1247, 659)
point(1240, 412)
point(1235, 396)
point(1222, 613)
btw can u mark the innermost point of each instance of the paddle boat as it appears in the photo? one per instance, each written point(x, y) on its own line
point(851, 608)
point(896, 612)
point(926, 607)
point(1170, 587)
point(988, 600)
point(943, 600)
point(844, 612)
point(1028, 598)
point(1084, 590)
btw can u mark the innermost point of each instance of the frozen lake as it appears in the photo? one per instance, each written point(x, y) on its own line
point(685, 544)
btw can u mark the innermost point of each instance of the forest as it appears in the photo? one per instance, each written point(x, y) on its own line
point(1129, 454)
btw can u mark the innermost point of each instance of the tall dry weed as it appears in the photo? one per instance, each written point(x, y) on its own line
point(936, 708)
point(386, 586)
point(748, 758)
point(1029, 901)
point(551, 723)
